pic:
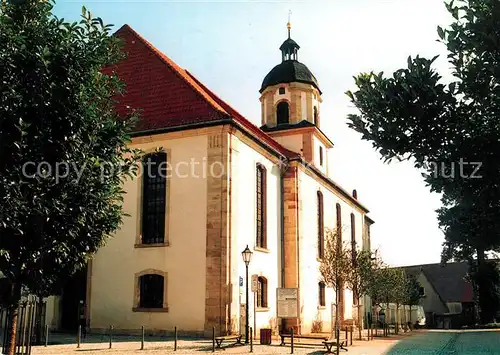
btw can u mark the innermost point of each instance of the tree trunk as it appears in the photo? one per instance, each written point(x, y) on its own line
point(396, 329)
point(337, 328)
point(360, 322)
point(484, 289)
point(14, 310)
point(38, 324)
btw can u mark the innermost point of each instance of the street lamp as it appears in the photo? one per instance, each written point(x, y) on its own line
point(247, 256)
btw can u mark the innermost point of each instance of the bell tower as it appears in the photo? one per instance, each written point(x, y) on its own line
point(290, 106)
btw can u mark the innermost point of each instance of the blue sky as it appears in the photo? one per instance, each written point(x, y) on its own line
point(231, 45)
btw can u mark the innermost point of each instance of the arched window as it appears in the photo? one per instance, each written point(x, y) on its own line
point(315, 115)
point(353, 255)
point(154, 190)
point(151, 290)
point(353, 235)
point(261, 210)
point(340, 289)
point(321, 294)
point(261, 292)
point(283, 113)
point(338, 211)
point(321, 227)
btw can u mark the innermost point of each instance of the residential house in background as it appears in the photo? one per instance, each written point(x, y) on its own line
point(447, 297)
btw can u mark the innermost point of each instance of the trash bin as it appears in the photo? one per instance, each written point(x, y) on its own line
point(265, 336)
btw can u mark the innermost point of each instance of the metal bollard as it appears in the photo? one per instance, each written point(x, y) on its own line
point(213, 339)
point(251, 340)
point(142, 338)
point(46, 335)
point(110, 336)
point(175, 339)
point(78, 336)
point(292, 340)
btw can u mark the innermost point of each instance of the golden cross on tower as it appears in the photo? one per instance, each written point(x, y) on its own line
point(289, 25)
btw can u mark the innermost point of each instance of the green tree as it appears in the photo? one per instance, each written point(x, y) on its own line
point(450, 131)
point(335, 268)
point(412, 293)
point(359, 278)
point(398, 292)
point(63, 150)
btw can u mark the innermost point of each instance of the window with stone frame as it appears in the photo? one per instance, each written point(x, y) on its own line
point(151, 291)
point(321, 226)
point(281, 91)
point(261, 209)
point(154, 191)
point(321, 294)
point(261, 292)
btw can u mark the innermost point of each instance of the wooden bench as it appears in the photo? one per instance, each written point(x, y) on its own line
point(329, 344)
point(221, 339)
point(315, 337)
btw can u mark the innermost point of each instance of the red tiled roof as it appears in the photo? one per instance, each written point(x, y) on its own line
point(169, 96)
point(165, 94)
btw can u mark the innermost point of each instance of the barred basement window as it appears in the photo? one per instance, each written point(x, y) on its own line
point(154, 198)
point(321, 227)
point(261, 210)
point(261, 292)
point(151, 291)
point(321, 294)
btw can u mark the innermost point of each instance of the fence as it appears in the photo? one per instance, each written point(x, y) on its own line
point(30, 324)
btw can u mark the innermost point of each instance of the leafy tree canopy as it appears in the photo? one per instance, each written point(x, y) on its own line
point(450, 131)
point(63, 149)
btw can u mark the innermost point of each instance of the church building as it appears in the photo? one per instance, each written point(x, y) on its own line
point(177, 259)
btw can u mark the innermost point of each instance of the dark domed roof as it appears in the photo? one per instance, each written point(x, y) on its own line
point(289, 71)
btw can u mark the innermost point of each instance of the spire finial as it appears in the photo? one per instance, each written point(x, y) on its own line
point(289, 25)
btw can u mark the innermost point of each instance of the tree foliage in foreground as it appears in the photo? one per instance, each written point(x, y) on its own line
point(57, 108)
point(450, 131)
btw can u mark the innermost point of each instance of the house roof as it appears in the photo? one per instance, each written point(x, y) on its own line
point(169, 96)
point(448, 280)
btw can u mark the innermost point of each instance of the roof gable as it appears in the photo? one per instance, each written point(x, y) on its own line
point(166, 95)
point(448, 280)
point(169, 96)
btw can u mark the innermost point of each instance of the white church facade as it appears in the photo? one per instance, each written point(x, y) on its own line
point(176, 261)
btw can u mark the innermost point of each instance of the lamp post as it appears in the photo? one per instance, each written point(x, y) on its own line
point(247, 256)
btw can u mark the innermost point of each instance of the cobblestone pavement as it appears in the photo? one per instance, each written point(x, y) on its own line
point(419, 343)
point(449, 343)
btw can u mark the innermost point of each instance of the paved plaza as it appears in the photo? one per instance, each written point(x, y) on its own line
point(416, 343)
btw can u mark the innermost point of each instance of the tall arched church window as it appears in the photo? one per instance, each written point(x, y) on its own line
point(154, 190)
point(321, 227)
point(283, 113)
point(261, 212)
